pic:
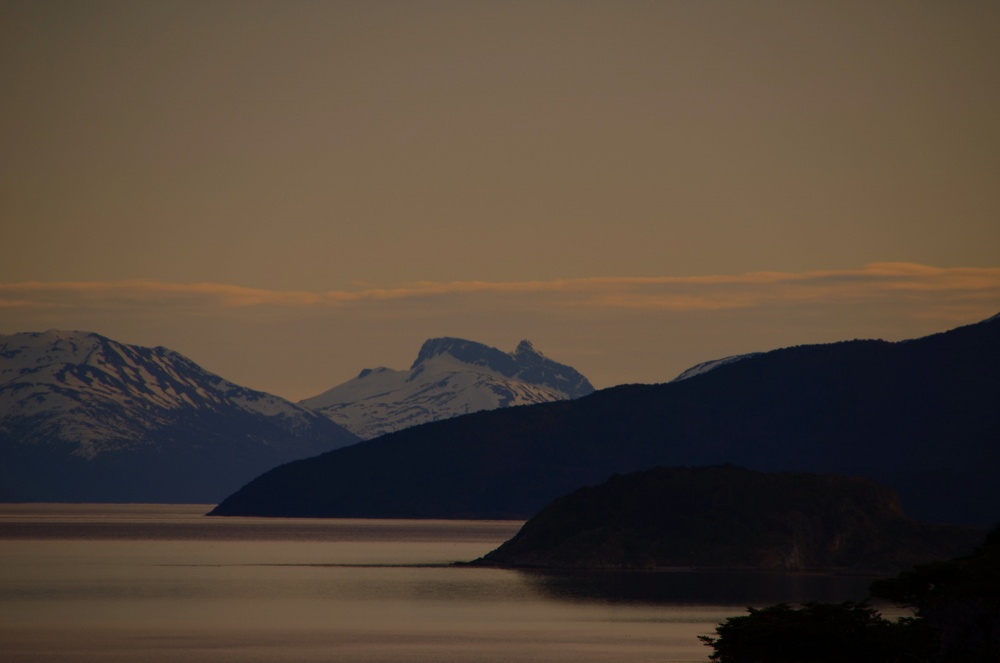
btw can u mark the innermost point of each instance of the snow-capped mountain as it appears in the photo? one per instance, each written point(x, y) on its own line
point(450, 376)
point(85, 418)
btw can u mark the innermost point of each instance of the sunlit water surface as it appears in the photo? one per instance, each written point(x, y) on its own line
point(162, 583)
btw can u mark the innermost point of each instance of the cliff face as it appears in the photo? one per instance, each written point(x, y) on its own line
point(727, 517)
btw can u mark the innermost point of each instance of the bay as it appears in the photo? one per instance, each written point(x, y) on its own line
point(164, 583)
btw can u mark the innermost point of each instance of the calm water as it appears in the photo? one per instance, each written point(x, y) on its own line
point(163, 583)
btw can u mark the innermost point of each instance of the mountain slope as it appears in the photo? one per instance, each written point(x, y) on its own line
point(84, 418)
point(449, 377)
point(920, 416)
point(706, 366)
point(728, 517)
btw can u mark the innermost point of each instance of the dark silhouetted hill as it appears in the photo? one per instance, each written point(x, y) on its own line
point(920, 416)
point(728, 517)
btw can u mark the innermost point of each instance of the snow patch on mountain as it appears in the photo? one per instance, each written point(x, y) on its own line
point(102, 395)
point(449, 377)
point(706, 366)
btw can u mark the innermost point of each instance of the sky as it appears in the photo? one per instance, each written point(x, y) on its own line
point(289, 192)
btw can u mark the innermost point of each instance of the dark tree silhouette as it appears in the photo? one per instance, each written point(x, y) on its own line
point(959, 599)
point(957, 620)
point(817, 633)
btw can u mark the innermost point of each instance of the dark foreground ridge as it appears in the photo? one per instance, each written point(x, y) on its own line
point(956, 619)
point(732, 518)
point(919, 416)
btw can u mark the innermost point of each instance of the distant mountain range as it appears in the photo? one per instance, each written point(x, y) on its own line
point(732, 518)
point(87, 419)
point(449, 377)
point(920, 416)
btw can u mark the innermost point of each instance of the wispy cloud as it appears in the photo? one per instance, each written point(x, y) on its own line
point(615, 330)
point(873, 283)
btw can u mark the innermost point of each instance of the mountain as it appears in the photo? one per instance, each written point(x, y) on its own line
point(728, 517)
point(919, 416)
point(86, 419)
point(706, 366)
point(449, 377)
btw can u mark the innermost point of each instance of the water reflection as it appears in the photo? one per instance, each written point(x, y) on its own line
point(164, 584)
point(739, 588)
point(186, 522)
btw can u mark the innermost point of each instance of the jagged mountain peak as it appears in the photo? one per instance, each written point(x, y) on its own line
point(525, 347)
point(469, 352)
point(524, 363)
point(450, 376)
point(472, 352)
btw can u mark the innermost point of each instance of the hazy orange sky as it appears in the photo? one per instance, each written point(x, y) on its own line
point(288, 192)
